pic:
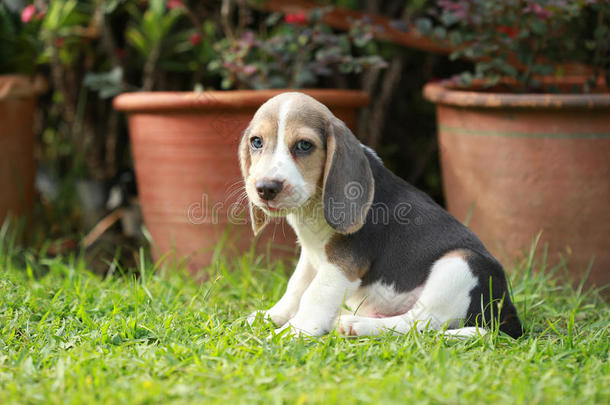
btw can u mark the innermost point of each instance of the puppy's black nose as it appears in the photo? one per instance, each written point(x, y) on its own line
point(268, 189)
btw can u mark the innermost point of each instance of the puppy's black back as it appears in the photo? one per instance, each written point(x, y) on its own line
point(406, 232)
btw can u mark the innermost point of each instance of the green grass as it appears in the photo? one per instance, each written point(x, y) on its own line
point(69, 336)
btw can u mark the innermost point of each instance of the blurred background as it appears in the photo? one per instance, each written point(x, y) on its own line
point(76, 56)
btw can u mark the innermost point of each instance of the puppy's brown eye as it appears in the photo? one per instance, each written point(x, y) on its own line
point(303, 146)
point(256, 142)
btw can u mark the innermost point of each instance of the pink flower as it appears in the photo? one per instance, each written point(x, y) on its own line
point(172, 4)
point(195, 38)
point(299, 18)
point(450, 5)
point(459, 9)
point(249, 70)
point(28, 13)
point(248, 38)
point(40, 15)
point(538, 10)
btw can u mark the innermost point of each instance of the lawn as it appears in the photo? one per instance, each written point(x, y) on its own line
point(69, 336)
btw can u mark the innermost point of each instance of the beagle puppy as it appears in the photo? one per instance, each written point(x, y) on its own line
point(370, 242)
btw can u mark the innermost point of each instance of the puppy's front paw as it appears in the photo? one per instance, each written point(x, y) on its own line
point(353, 325)
point(287, 326)
point(264, 315)
point(270, 315)
point(297, 328)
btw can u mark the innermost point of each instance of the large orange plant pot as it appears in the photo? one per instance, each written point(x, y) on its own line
point(515, 165)
point(17, 104)
point(184, 147)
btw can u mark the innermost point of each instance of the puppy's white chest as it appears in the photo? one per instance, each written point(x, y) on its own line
point(382, 300)
point(313, 237)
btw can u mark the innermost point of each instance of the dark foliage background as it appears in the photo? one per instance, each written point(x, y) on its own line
point(92, 50)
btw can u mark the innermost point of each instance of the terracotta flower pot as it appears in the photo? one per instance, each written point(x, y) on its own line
point(17, 103)
point(515, 165)
point(189, 183)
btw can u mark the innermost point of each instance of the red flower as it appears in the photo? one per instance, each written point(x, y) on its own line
point(120, 53)
point(172, 4)
point(28, 13)
point(195, 38)
point(510, 31)
point(298, 18)
point(59, 42)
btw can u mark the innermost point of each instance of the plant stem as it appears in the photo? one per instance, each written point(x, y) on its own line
point(149, 68)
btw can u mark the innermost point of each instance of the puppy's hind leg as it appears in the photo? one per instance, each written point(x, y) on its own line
point(443, 302)
point(355, 325)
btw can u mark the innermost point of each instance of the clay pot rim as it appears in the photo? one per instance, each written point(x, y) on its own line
point(13, 86)
point(445, 93)
point(154, 101)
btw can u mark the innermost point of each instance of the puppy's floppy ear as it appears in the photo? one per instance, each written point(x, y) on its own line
point(257, 216)
point(348, 180)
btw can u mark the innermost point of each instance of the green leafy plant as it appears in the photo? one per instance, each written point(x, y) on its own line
point(32, 37)
point(66, 31)
point(293, 51)
point(19, 38)
point(526, 40)
point(152, 34)
point(164, 36)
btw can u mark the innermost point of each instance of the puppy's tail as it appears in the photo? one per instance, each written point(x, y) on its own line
point(509, 320)
point(491, 303)
point(509, 324)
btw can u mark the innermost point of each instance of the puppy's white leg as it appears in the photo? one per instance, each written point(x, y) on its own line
point(443, 303)
point(288, 305)
point(363, 326)
point(322, 301)
point(355, 325)
point(466, 332)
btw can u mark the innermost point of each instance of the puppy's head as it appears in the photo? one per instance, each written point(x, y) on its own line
point(294, 153)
